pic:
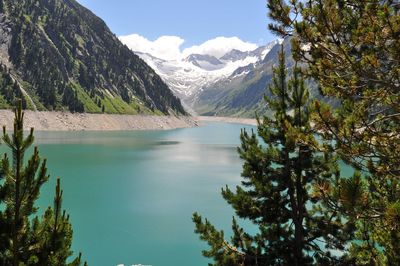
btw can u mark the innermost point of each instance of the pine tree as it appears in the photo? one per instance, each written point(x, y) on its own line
point(282, 167)
point(28, 240)
point(54, 235)
point(352, 50)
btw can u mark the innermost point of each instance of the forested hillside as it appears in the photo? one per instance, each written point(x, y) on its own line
point(60, 56)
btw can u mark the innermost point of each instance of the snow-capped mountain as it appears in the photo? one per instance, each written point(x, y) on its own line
point(206, 62)
point(218, 78)
point(188, 76)
point(260, 53)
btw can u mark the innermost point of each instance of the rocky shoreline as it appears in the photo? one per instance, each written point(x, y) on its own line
point(65, 121)
point(236, 120)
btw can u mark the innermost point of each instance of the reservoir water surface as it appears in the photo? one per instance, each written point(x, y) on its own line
point(131, 195)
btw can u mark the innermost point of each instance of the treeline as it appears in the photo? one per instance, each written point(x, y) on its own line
point(308, 211)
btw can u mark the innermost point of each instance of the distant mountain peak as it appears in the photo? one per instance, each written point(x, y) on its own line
point(259, 53)
point(234, 55)
point(206, 62)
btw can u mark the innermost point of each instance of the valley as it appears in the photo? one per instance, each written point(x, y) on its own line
point(208, 85)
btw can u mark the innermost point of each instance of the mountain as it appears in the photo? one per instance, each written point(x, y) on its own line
point(206, 62)
point(59, 55)
point(260, 53)
point(232, 85)
point(189, 77)
point(242, 93)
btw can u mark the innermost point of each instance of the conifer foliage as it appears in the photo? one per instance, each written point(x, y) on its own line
point(352, 50)
point(282, 166)
point(26, 239)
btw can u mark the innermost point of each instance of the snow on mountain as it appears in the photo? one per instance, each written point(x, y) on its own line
point(206, 62)
point(260, 53)
point(234, 55)
point(187, 76)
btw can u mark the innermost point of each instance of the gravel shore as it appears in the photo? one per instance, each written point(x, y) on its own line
point(64, 121)
point(237, 120)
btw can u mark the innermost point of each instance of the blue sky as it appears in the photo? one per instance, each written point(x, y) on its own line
point(194, 21)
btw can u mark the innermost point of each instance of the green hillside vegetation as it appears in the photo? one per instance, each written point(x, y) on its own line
point(66, 58)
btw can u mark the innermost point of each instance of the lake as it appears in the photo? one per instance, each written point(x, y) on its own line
point(131, 195)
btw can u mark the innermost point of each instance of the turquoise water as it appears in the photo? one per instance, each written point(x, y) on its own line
point(131, 195)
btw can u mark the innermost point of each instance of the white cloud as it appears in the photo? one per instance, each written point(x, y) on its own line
point(165, 47)
point(220, 46)
point(169, 47)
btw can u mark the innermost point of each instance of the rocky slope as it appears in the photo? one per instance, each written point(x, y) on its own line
point(60, 56)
